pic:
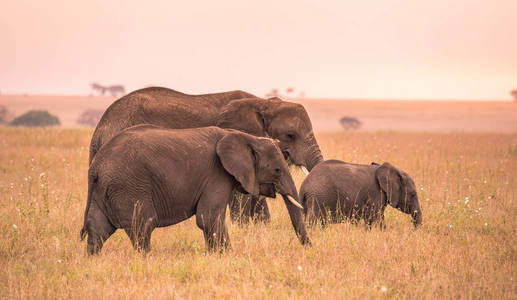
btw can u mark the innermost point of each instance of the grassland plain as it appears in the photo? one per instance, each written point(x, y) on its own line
point(467, 247)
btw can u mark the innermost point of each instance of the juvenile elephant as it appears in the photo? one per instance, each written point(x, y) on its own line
point(335, 190)
point(149, 176)
point(286, 121)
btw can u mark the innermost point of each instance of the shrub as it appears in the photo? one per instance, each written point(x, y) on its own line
point(350, 123)
point(90, 117)
point(36, 118)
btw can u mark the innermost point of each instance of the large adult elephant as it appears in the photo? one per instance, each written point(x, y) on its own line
point(175, 174)
point(285, 121)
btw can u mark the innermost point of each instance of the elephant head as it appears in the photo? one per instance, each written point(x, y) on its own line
point(287, 122)
point(400, 191)
point(258, 165)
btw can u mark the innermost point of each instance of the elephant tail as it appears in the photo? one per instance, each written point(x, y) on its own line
point(92, 180)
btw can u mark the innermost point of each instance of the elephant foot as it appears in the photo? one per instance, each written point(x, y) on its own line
point(98, 228)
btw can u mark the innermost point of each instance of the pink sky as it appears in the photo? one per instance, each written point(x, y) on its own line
point(439, 49)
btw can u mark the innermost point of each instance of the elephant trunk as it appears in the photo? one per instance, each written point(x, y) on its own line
point(417, 215)
point(313, 154)
point(288, 191)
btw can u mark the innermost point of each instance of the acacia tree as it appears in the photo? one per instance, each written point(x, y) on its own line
point(98, 88)
point(288, 91)
point(274, 93)
point(90, 117)
point(514, 95)
point(4, 115)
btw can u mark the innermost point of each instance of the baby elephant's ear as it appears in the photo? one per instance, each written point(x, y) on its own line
point(237, 158)
point(389, 181)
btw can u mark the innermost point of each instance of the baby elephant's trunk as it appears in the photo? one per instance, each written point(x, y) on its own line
point(417, 215)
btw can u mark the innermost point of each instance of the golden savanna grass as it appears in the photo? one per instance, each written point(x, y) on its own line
point(467, 247)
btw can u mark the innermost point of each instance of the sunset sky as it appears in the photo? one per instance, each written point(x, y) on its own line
point(441, 49)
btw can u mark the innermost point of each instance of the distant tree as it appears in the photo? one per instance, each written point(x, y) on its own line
point(273, 93)
point(350, 123)
point(97, 88)
point(514, 95)
point(5, 115)
point(90, 117)
point(35, 118)
point(288, 91)
point(116, 90)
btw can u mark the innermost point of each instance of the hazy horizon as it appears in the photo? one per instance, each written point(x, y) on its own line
point(294, 97)
point(395, 49)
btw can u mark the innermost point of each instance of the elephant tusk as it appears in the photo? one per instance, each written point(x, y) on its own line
point(294, 201)
point(304, 169)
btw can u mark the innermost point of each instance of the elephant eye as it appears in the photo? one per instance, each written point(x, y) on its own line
point(290, 136)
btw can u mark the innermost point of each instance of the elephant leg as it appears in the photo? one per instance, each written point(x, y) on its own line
point(382, 224)
point(210, 216)
point(241, 208)
point(99, 229)
point(143, 223)
point(370, 218)
point(260, 211)
point(214, 230)
point(312, 216)
point(315, 213)
point(355, 219)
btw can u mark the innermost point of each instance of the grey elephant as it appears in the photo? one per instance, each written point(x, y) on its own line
point(148, 176)
point(286, 121)
point(336, 191)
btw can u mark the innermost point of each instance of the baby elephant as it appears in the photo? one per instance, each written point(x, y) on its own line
point(147, 177)
point(335, 191)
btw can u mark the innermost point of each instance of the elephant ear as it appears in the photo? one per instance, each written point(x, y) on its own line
point(389, 180)
point(238, 159)
point(247, 115)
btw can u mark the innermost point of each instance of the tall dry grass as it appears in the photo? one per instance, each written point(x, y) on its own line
point(467, 247)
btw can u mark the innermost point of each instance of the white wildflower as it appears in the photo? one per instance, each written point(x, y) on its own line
point(42, 174)
point(384, 289)
point(450, 226)
point(58, 261)
point(14, 226)
point(299, 268)
point(486, 224)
